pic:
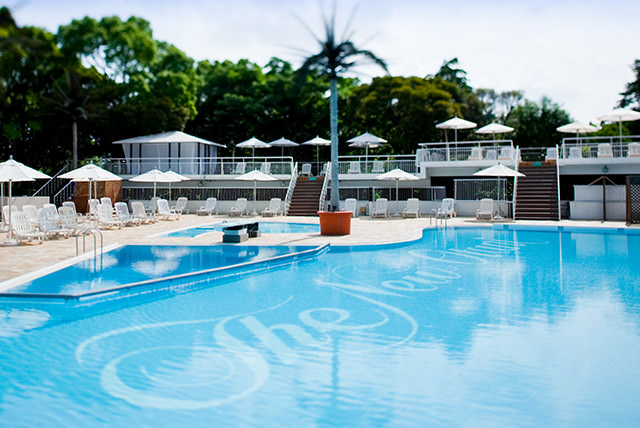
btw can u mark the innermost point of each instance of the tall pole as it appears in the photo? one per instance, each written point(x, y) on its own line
point(333, 113)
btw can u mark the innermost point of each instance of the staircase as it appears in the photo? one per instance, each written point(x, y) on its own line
point(306, 197)
point(537, 193)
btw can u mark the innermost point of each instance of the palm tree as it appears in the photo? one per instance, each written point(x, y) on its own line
point(335, 57)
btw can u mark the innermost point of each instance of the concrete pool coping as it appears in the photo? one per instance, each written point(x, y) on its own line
point(22, 260)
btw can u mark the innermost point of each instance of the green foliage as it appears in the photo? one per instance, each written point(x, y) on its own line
point(535, 124)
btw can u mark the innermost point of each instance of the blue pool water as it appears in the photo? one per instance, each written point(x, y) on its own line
point(264, 226)
point(465, 327)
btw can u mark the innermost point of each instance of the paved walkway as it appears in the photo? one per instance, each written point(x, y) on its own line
point(25, 259)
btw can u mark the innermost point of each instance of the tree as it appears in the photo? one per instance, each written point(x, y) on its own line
point(631, 96)
point(535, 125)
point(335, 57)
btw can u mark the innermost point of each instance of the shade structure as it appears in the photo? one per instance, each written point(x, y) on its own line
point(167, 137)
point(283, 142)
point(576, 127)
point(367, 141)
point(155, 176)
point(317, 141)
point(253, 143)
point(175, 175)
point(90, 173)
point(456, 123)
point(494, 128)
point(397, 175)
point(255, 176)
point(620, 115)
point(29, 172)
point(8, 174)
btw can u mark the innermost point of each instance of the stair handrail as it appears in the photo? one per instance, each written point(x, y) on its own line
point(292, 186)
point(62, 170)
point(323, 192)
point(515, 182)
point(558, 185)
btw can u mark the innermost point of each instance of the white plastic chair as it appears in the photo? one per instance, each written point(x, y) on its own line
point(412, 209)
point(351, 204)
point(181, 206)
point(634, 150)
point(105, 218)
point(138, 211)
point(32, 213)
point(552, 153)
point(123, 214)
point(49, 226)
point(265, 168)
point(69, 218)
point(491, 154)
point(240, 168)
point(209, 207)
point(447, 208)
point(476, 153)
point(604, 150)
point(486, 210)
point(378, 167)
point(164, 212)
point(575, 153)
point(354, 167)
point(506, 153)
point(239, 208)
point(273, 209)
point(22, 230)
point(380, 209)
point(306, 169)
point(93, 208)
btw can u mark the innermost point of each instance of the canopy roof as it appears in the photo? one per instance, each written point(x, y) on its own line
point(167, 137)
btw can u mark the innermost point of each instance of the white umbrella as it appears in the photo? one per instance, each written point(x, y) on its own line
point(620, 115)
point(456, 123)
point(367, 141)
point(498, 170)
point(255, 176)
point(176, 176)
point(29, 172)
point(397, 175)
point(155, 176)
point(10, 173)
point(90, 173)
point(576, 127)
point(317, 141)
point(494, 128)
point(253, 143)
point(283, 142)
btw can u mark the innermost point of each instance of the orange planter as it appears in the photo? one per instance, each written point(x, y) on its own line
point(335, 222)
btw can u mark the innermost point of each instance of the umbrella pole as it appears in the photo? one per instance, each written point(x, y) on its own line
point(255, 201)
point(10, 241)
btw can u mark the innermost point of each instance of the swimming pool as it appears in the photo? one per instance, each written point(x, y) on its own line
point(264, 226)
point(465, 327)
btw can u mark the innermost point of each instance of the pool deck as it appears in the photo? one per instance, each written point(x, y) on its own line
point(27, 259)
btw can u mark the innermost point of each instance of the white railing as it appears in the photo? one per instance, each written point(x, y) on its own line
point(291, 189)
point(376, 165)
point(323, 192)
point(467, 151)
point(598, 147)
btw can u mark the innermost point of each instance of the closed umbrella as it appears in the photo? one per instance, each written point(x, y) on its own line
point(9, 174)
point(620, 115)
point(255, 176)
point(367, 141)
point(397, 175)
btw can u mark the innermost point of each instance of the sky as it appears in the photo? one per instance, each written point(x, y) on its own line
point(577, 53)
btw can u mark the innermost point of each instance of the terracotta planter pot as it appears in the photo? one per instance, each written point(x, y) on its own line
point(335, 222)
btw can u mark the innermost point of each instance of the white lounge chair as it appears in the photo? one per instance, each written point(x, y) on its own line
point(575, 153)
point(306, 169)
point(486, 210)
point(123, 214)
point(380, 209)
point(52, 211)
point(105, 219)
point(412, 209)
point(32, 213)
point(552, 153)
point(273, 209)
point(491, 154)
point(265, 168)
point(351, 204)
point(506, 153)
point(354, 167)
point(476, 153)
point(604, 150)
point(69, 219)
point(240, 168)
point(138, 211)
point(209, 207)
point(166, 213)
point(239, 208)
point(22, 230)
point(447, 208)
point(93, 208)
point(634, 150)
point(181, 206)
point(49, 226)
point(72, 206)
point(378, 167)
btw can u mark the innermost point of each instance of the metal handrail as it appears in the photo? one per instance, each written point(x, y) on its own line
point(323, 192)
point(558, 184)
point(93, 231)
point(292, 186)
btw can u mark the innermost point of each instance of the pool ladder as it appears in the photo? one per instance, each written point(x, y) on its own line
point(95, 233)
point(440, 218)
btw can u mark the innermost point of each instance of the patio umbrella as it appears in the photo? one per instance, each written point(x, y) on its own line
point(29, 172)
point(493, 129)
point(9, 174)
point(620, 115)
point(253, 143)
point(155, 176)
point(317, 141)
point(456, 123)
point(176, 176)
point(397, 175)
point(90, 173)
point(498, 170)
point(283, 142)
point(255, 176)
point(367, 141)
